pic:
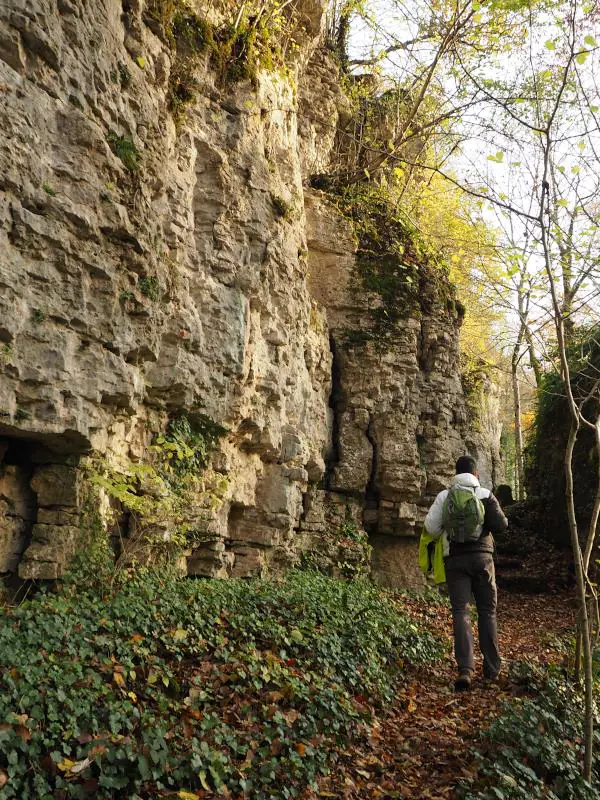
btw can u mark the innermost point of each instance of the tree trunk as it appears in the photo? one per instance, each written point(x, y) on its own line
point(578, 646)
point(533, 359)
point(588, 722)
point(519, 470)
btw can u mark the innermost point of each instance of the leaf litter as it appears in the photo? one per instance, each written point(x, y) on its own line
point(423, 747)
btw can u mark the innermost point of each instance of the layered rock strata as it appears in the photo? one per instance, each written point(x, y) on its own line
point(149, 271)
point(399, 411)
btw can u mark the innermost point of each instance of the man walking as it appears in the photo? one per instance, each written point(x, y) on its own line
point(467, 515)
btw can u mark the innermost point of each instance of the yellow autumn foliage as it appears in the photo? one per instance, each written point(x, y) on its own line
point(452, 222)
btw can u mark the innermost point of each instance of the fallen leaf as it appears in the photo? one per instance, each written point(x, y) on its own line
point(202, 779)
point(291, 716)
point(24, 733)
point(118, 679)
point(97, 750)
point(79, 766)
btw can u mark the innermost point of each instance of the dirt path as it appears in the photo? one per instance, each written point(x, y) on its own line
point(419, 749)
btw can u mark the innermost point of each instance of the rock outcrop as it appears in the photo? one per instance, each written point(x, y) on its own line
point(150, 270)
point(399, 413)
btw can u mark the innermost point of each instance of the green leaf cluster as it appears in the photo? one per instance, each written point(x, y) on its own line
point(149, 286)
point(532, 750)
point(177, 685)
point(124, 148)
point(186, 446)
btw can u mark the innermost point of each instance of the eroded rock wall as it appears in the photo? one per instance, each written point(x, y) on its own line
point(180, 285)
point(147, 271)
point(400, 413)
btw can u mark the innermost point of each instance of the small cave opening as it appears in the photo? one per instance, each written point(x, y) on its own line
point(18, 509)
point(39, 511)
point(235, 521)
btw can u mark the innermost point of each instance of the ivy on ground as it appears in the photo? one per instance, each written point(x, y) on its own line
point(533, 749)
point(173, 686)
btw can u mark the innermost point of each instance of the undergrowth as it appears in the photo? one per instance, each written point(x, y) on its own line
point(169, 497)
point(533, 749)
point(173, 686)
point(342, 549)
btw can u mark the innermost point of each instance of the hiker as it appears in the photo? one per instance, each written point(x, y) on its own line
point(467, 515)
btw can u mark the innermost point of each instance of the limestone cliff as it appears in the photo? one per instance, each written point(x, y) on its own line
point(162, 255)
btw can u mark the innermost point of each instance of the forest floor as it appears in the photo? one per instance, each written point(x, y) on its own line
point(175, 688)
point(423, 747)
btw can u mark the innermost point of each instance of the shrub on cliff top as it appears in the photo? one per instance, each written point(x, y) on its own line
point(259, 37)
point(400, 274)
point(172, 686)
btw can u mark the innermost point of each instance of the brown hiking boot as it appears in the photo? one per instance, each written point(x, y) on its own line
point(463, 682)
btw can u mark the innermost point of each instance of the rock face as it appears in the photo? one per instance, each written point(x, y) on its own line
point(400, 415)
point(148, 272)
point(483, 438)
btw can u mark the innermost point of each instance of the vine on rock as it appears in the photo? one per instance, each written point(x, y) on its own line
point(398, 272)
point(260, 38)
point(343, 549)
point(165, 499)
